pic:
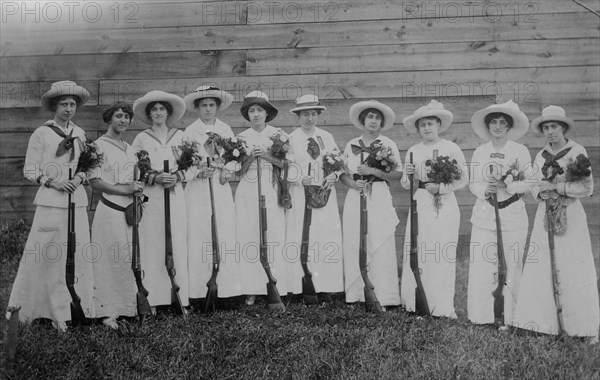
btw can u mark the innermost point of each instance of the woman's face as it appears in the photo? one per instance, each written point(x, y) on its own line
point(208, 110)
point(119, 122)
point(257, 115)
point(159, 114)
point(498, 127)
point(373, 122)
point(553, 131)
point(428, 128)
point(308, 119)
point(65, 109)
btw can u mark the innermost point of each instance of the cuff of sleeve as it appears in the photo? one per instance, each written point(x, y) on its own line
point(150, 179)
point(180, 175)
point(41, 179)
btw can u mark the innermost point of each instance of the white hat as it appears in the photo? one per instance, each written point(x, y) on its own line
point(62, 88)
point(388, 114)
point(510, 108)
point(204, 92)
point(551, 113)
point(139, 106)
point(307, 102)
point(261, 99)
point(434, 108)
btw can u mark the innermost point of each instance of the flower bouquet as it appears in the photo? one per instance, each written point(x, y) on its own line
point(144, 164)
point(189, 155)
point(381, 157)
point(333, 162)
point(90, 158)
point(442, 170)
point(280, 144)
point(578, 169)
point(234, 149)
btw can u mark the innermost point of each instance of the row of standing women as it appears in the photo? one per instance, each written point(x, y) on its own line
point(107, 287)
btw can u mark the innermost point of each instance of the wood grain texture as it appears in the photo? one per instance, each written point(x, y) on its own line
point(319, 34)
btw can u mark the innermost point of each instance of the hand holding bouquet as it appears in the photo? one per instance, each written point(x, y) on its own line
point(442, 170)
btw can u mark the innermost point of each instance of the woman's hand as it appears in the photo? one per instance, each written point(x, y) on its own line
point(225, 176)
point(67, 186)
point(409, 168)
point(433, 188)
point(135, 187)
point(307, 180)
point(359, 185)
point(366, 170)
point(206, 171)
point(547, 186)
point(166, 180)
point(331, 179)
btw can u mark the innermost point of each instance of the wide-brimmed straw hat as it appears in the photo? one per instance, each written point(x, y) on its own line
point(62, 88)
point(261, 99)
point(307, 102)
point(204, 92)
point(388, 114)
point(551, 113)
point(434, 108)
point(139, 106)
point(510, 108)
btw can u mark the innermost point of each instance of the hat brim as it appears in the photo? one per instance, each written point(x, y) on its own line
point(248, 102)
point(63, 90)
point(518, 130)
point(139, 106)
point(445, 116)
point(388, 114)
point(304, 108)
point(225, 98)
point(537, 122)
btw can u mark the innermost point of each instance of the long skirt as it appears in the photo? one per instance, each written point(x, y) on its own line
point(253, 276)
point(437, 243)
point(200, 249)
point(483, 273)
point(114, 284)
point(152, 245)
point(325, 254)
point(382, 263)
point(40, 288)
point(577, 279)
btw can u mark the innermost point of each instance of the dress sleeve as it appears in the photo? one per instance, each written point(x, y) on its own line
point(478, 184)
point(33, 159)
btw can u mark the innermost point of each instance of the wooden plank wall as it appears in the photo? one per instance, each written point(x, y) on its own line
point(465, 54)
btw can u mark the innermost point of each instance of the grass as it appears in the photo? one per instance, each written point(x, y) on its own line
point(331, 341)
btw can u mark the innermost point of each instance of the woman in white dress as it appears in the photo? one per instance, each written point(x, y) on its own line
point(207, 101)
point(499, 125)
point(372, 118)
point(158, 109)
point(40, 289)
point(257, 109)
point(309, 144)
point(114, 285)
point(438, 227)
point(576, 274)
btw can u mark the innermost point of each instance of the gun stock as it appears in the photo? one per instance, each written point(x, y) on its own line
point(421, 305)
point(273, 298)
point(498, 292)
point(77, 315)
point(169, 263)
point(308, 288)
point(555, 280)
point(143, 306)
point(213, 289)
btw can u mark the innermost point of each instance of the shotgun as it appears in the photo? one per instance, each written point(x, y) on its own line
point(212, 291)
point(308, 288)
point(555, 281)
point(273, 298)
point(77, 315)
point(497, 293)
point(371, 301)
point(421, 305)
point(143, 306)
point(169, 263)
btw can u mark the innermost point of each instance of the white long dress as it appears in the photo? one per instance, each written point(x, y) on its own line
point(578, 289)
point(197, 196)
point(252, 274)
point(438, 233)
point(152, 225)
point(483, 264)
point(40, 289)
point(325, 254)
point(381, 243)
point(114, 284)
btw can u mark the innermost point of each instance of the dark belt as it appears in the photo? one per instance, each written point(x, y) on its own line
point(368, 178)
point(112, 205)
point(505, 203)
point(422, 184)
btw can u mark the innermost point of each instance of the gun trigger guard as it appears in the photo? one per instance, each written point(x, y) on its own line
point(75, 280)
point(420, 271)
point(143, 274)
